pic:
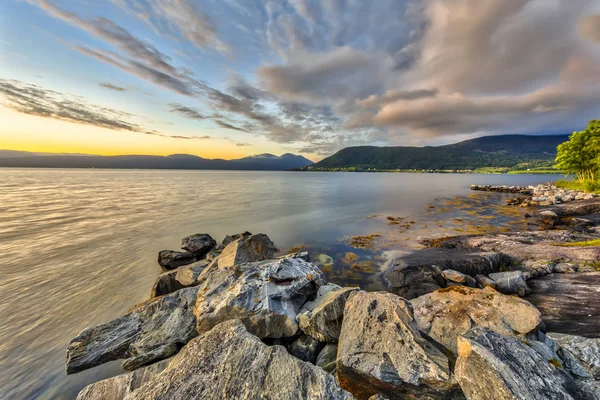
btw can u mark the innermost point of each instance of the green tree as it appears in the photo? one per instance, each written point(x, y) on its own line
point(580, 155)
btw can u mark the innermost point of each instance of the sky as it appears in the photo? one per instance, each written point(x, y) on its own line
point(227, 78)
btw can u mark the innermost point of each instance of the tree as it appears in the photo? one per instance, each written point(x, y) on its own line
point(580, 155)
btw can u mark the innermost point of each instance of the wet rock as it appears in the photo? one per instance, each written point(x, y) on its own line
point(230, 238)
point(568, 302)
point(118, 387)
point(459, 277)
point(322, 318)
point(144, 331)
point(230, 363)
point(306, 348)
point(420, 272)
point(512, 282)
point(382, 351)
point(247, 249)
point(484, 281)
point(493, 366)
point(266, 296)
point(449, 313)
point(198, 244)
point(327, 357)
point(586, 350)
point(170, 259)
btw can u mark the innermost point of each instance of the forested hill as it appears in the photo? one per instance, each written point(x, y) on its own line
point(504, 151)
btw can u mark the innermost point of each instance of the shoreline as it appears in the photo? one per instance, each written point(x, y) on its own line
point(239, 291)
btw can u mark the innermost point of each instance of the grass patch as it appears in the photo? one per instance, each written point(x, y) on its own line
point(589, 243)
point(586, 186)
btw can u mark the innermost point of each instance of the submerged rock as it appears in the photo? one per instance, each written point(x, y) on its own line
point(266, 296)
point(322, 318)
point(421, 272)
point(306, 348)
point(493, 366)
point(144, 335)
point(247, 249)
point(382, 351)
point(198, 244)
point(449, 313)
point(170, 259)
point(512, 282)
point(230, 363)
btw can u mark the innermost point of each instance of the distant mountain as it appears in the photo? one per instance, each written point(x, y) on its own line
point(269, 162)
point(503, 151)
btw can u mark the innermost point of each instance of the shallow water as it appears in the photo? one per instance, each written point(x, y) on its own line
point(78, 247)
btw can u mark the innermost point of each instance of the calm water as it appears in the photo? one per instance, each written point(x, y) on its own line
point(78, 247)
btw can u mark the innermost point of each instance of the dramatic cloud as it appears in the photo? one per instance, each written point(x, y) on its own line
point(112, 87)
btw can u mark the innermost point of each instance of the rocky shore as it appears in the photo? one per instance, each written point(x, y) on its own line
point(470, 317)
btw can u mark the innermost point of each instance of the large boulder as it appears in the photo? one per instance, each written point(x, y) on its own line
point(247, 249)
point(449, 313)
point(149, 333)
point(116, 388)
point(511, 282)
point(586, 350)
point(421, 272)
point(266, 296)
point(230, 238)
point(230, 363)
point(198, 244)
point(170, 259)
point(493, 366)
point(381, 350)
point(189, 275)
point(322, 318)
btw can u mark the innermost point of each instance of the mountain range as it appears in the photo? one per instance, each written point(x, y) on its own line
point(503, 151)
point(270, 162)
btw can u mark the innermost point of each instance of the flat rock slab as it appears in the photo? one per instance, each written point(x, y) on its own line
point(149, 333)
point(420, 272)
point(569, 303)
point(230, 363)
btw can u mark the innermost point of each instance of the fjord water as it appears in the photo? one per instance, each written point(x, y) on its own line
point(78, 247)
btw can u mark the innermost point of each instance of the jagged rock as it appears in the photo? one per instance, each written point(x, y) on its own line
point(188, 276)
point(247, 249)
point(306, 348)
point(447, 314)
point(381, 350)
point(303, 255)
point(493, 366)
point(198, 244)
point(420, 272)
point(116, 388)
point(587, 350)
point(214, 253)
point(459, 277)
point(144, 331)
point(182, 277)
point(327, 357)
point(484, 281)
point(266, 296)
point(157, 353)
point(230, 238)
point(170, 259)
point(230, 363)
point(512, 282)
point(322, 318)
point(165, 284)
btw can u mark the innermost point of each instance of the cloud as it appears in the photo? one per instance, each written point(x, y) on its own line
point(589, 27)
point(187, 112)
point(229, 126)
point(112, 87)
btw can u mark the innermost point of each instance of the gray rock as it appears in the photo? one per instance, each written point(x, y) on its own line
point(548, 213)
point(459, 277)
point(484, 281)
point(586, 350)
point(327, 357)
point(157, 353)
point(381, 350)
point(512, 282)
point(170, 259)
point(198, 244)
point(116, 388)
point(144, 331)
point(306, 348)
point(266, 296)
point(165, 284)
point(230, 238)
point(420, 272)
point(247, 249)
point(493, 366)
point(449, 313)
point(230, 363)
point(188, 276)
point(322, 318)
point(303, 255)
point(564, 268)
